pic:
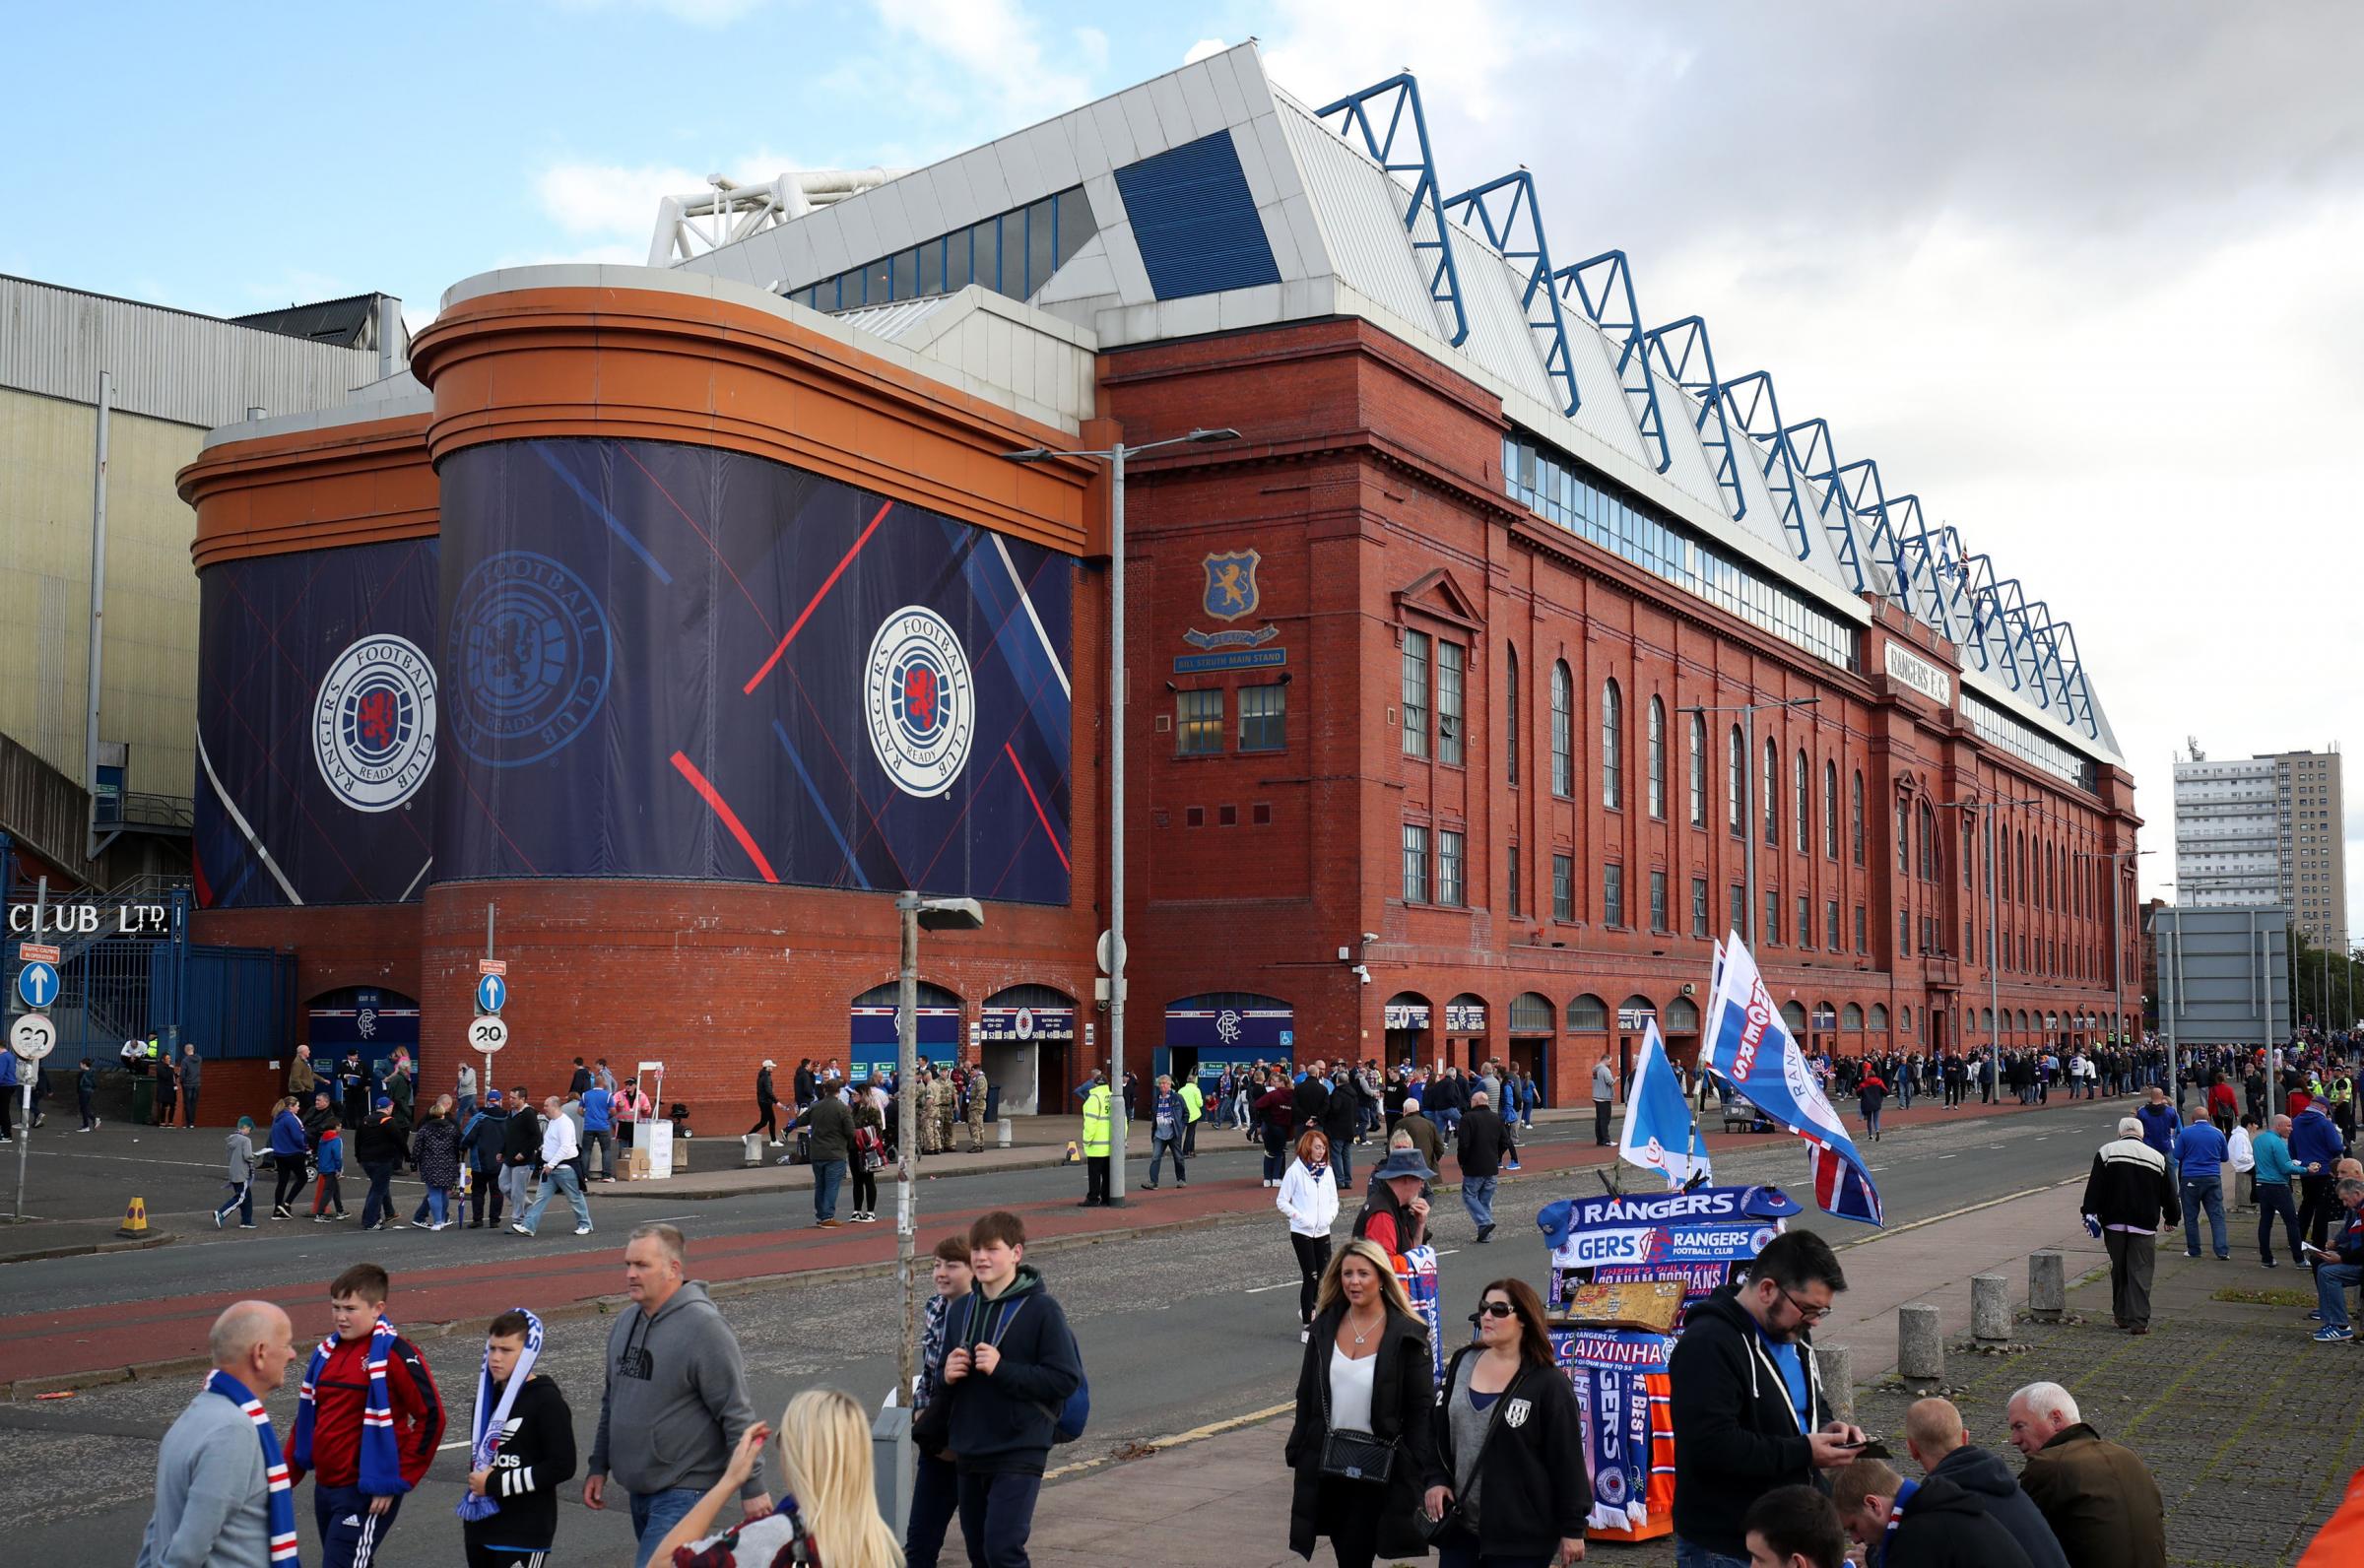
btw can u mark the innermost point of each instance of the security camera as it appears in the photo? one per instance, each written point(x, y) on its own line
point(1362, 972)
point(1370, 936)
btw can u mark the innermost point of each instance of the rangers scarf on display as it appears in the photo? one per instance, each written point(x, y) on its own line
point(381, 1461)
point(282, 1500)
point(1417, 1270)
point(485, 1436)
point(1887, 1541)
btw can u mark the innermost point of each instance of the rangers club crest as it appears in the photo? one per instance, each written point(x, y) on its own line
point(532, 656)
point(1232, 584)
point(373, 723)
point(921, 699)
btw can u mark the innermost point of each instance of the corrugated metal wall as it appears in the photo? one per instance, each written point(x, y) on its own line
point(173, 366)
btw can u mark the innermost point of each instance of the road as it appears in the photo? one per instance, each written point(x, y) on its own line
point(1178, 1330)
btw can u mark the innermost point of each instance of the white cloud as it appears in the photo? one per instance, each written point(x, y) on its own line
point(2092, 303)
point(997, 48)
point(609, 198)
point(1203, 48)
point(696, 12)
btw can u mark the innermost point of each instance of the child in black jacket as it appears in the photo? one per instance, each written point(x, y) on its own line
point(1013, 1366)
point(533, 1455)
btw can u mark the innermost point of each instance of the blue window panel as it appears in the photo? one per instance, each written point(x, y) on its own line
point(1196, 224)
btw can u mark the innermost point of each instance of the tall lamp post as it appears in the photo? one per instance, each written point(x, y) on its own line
point(2117, 927)
point(917, 914)
point(1748, 823)
point(1986, 809)
point(1118, 1130)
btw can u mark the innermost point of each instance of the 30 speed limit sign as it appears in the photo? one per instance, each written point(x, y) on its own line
point(33, 1036)
point(488, 1034)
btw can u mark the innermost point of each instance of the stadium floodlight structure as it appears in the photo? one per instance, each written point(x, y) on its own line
point(1603, 290)
point(705, 221)
point(1423, 214)
point(1512, 221)
point(1686, 358)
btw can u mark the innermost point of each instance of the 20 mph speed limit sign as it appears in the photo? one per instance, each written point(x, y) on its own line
point(488, 1034)
point(33, 1036)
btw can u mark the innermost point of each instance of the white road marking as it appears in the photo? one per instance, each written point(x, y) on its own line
point(1257, 1290)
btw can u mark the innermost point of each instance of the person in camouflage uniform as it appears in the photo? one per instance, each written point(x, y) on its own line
point(948, 1107)
point(976, 1109)
point(927, 1092)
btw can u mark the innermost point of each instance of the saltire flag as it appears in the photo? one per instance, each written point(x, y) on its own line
point(1658, 1131)
point(1748, 1045)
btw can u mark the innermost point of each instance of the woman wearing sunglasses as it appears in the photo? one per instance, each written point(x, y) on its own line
point(1508, 1432)
point(1361, 1444)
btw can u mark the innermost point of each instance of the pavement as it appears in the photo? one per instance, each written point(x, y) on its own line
point(1184, 1305)
point(2250, 1429)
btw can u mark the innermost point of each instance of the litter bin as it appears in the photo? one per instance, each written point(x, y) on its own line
point(143, 1100)
point(993, 1102)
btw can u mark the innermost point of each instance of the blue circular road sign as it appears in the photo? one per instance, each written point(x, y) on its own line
point(36, 983)
point(492, 991)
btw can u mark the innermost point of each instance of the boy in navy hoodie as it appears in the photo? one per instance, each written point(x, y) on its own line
point(1010, 1369)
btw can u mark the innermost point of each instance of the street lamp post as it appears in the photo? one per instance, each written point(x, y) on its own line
point(1987, 808)
point(1749, 824)
point(932, 914)
point(2116, 926)
point(1118, 1128)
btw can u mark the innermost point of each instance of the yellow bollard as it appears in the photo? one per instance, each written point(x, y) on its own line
point(1075, 1156)
point(134, 1220)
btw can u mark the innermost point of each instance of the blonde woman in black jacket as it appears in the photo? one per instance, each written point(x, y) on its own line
point(1367, 1372)
point(1511, 1441)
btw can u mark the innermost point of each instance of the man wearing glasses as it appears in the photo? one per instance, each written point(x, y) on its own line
point(1749, 1406)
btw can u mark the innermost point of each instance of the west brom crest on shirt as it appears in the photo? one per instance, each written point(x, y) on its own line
point(1232, 584)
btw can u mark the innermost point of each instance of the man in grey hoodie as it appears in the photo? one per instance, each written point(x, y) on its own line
point(1934, 1435)
point(674, 1387)
point(212, 1490)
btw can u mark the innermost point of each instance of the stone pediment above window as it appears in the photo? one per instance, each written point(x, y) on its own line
point(1438, 596)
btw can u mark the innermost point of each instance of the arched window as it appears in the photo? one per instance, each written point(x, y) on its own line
point(1698, 770)
point(1879, 1015)
point(1531, 1014)
point(1851, 1017)
point(1801, 813)
point(1969, 847)
point(1658, 758)
point(1854, 805)
point(1588, 1014)
point(1904, 839)
point(1793, 1014)
point(2027, 889)
point(1563, 734)
point(1987, 1016)
point(1612, 745)
point(1904, 1019)
point(1772, 792)
point(1830, 809)
point(1682, 1016)
point(1932, 849)
point(1510, 730)
point(1736, 770)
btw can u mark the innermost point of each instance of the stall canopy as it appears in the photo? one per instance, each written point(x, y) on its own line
point(1232, 1026)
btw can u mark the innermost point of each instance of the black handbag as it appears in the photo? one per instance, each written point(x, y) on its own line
point(1351, 1456)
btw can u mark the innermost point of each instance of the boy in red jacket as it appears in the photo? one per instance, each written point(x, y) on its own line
point(366, 1423)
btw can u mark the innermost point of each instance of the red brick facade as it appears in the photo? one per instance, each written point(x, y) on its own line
point(1373, 493)
point(1369, 486)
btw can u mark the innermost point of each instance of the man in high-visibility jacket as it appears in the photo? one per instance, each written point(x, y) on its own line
point(1095, 1143)
point(1194, 1104)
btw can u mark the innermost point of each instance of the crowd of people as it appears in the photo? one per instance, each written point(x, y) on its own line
point(676, 1444)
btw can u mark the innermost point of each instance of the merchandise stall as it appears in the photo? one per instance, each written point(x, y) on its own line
point(1625, 1270)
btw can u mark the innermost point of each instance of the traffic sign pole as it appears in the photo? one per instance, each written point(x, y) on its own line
point(40, 912)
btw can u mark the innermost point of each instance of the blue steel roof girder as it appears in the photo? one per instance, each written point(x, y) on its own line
point(1516, 230)
point(1749, 401)
point(1423, 205)
point(1869, 499)
point(1690, 363)
point(1604, 285)
point(1818, 461)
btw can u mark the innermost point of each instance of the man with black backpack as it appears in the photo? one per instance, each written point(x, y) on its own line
point(1014, 1383)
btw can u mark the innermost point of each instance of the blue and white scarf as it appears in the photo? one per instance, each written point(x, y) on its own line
point(282, 1504)
point(485, 1435)
point(381, 1458)
point(1887, 1541)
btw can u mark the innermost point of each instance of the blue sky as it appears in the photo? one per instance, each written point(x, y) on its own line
point(307, 151)
point(2081, 277)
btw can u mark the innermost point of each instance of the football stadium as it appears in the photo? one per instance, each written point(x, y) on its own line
point(658, 626)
